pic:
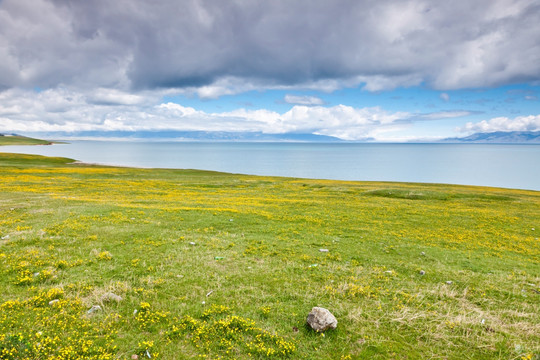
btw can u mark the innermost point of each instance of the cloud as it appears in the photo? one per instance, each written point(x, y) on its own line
point(444, 96)
point(70, 111)
point(303, 100)
point(520, 123)
point(379, 45)
point(440, 115)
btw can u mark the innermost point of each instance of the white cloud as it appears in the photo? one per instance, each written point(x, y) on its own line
point(69, 111)
point(303, 100)
point(520, 123)
point(444, 115)
point(444, 96)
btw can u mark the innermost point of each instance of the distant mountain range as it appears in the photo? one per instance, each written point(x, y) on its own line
point(500, 137)
point(174, 135)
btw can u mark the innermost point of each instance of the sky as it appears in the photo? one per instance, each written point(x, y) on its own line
point(384, 70)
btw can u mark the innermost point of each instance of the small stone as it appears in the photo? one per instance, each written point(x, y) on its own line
point(321, 319)
point(52, 302)
point(422, 272)
point(449, 282)
point(204, 302)
point(423, 253)
point(323, 250)
point(192, 243)
point(388, 272)
point(135, 312)
point(94, 309)
point(111, 297)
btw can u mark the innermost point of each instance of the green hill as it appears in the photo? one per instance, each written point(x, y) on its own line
point(21, 140)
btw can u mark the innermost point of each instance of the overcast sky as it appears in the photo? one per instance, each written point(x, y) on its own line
point(383, 69)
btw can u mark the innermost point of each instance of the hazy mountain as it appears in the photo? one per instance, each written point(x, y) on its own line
point(528, 137)
point(171, 135)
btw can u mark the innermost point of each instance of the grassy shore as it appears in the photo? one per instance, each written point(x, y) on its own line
point(217, 266)
point(22, 140)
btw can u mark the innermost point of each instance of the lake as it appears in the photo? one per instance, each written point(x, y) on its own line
point(508, 166)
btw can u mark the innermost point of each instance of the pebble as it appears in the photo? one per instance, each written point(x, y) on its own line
point(52, 302)
point(422, 272)
point(323, 250)
point(423, 253)
point(449, 282)
point(192, 243)
point(94, 309)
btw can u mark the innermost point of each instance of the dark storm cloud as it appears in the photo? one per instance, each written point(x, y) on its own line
point(178, 44)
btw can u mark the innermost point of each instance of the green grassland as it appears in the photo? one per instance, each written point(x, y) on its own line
point(220, 266)
point(22, 140)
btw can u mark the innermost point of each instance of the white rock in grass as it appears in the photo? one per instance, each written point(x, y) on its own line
point(321, 319)
point(323, 250)
point(94, 309)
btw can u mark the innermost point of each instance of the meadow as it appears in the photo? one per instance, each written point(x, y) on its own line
point(187, 264)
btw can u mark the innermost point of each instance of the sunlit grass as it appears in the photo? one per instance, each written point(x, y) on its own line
point(214, 265)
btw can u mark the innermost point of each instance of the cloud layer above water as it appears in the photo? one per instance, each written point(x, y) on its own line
point(68, 65)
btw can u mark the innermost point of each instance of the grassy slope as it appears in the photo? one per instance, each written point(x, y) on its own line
point(75, 232)
point(22, 140)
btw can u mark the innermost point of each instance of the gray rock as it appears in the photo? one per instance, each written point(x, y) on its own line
point(94, 309)
point(320, 319)
point(449, 282)
point(107, 297)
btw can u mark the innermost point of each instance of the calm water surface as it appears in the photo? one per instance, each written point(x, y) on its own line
point(510, 166)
